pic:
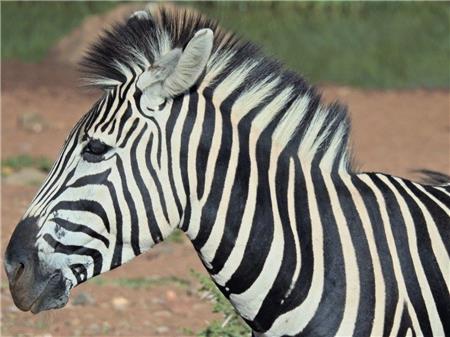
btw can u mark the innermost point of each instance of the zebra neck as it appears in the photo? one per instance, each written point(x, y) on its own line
point(254, 234)
point(251, 204)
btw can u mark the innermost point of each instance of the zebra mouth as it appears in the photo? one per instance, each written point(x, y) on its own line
point(55, 295)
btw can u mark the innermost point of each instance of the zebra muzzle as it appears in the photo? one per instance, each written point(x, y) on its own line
point(33, 287)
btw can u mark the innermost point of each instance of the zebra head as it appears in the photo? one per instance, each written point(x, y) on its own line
point(110, 194)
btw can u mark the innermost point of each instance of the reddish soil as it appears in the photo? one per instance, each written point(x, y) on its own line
point(393, 131)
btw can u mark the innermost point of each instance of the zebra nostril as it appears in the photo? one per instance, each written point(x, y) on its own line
point(18, 273)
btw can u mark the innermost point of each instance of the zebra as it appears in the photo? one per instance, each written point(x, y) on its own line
point(197, 129)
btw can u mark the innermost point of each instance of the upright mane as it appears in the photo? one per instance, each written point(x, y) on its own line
point(312, 129)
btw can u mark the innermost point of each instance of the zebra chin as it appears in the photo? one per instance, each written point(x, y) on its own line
point(55, 295)
point(33, 284)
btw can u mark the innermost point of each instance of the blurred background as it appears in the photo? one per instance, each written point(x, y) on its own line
point(387, 61)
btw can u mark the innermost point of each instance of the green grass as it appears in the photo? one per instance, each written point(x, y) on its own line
point(365, 44)
point(29, 29)
point(141, 282)
point(177, 236)
point(16, 163)
point(231, 325)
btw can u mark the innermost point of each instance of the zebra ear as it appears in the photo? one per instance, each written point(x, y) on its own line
point(177, 71)
point(191, 65)
point(152, 79)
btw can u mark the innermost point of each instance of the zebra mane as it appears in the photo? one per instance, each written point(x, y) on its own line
point(306, 125)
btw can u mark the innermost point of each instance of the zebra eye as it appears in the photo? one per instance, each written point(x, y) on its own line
point(96, 147)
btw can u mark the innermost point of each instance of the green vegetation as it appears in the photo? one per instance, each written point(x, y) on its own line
point(232, 325)
point(16, 163)
point(177, 236)
point(141, 282)
point(367, 44)
point(30, 28)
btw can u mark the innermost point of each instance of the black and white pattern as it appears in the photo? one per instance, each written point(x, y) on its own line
point(243, 156)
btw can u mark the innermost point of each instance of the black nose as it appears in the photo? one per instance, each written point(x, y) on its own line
point(21, 251)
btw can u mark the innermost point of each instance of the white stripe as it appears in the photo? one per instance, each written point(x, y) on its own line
point(352, 281)
point(436, 325)
point(259, 123)
point(175, 143)
point(445, 208)
point(380, 287)
point(238, 110)
point(193, 141)
point(402, 292)
point(294, 321)
point(249, 302)
point(293, 222)
point(437, 244)
point(399, 309)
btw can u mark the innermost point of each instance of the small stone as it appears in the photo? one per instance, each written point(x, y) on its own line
point(31, 121)
point(120, 303)
point(94, 329)
point(76, 321)
point(171, 295)
point(157, 300)
point(12, 308)
point(83, 299)
point(162, 329)
point(162, 313)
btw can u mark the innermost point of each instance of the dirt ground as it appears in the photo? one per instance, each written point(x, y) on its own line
point(393, 131)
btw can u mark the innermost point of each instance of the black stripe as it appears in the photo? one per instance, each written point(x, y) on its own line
point(439, 216)
point(440, 195)
point(132, 81)
point(174, 113)
point(384, 254)
point(113, 126)
point(91, 179)
point(155, 178)
point(427, 257)
point(123, 119)
point(84, 205)
point(79, 270)
point(78, 250)
point(366, 308)
point(117, 254)
point(302, 215)
point(328, 316)
point(130, 131)
point(405, 324)
point(64, 158)
point(158, 139)
point(205, 142)
point(107, 103)
point(134, 221)
point(261, 233)
point(239, 192)
point(209, 211)
point(185, 135)
point(74, 227)
point(59, 191)
point(274, 302)
point(149, 211)
point(398, 227)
